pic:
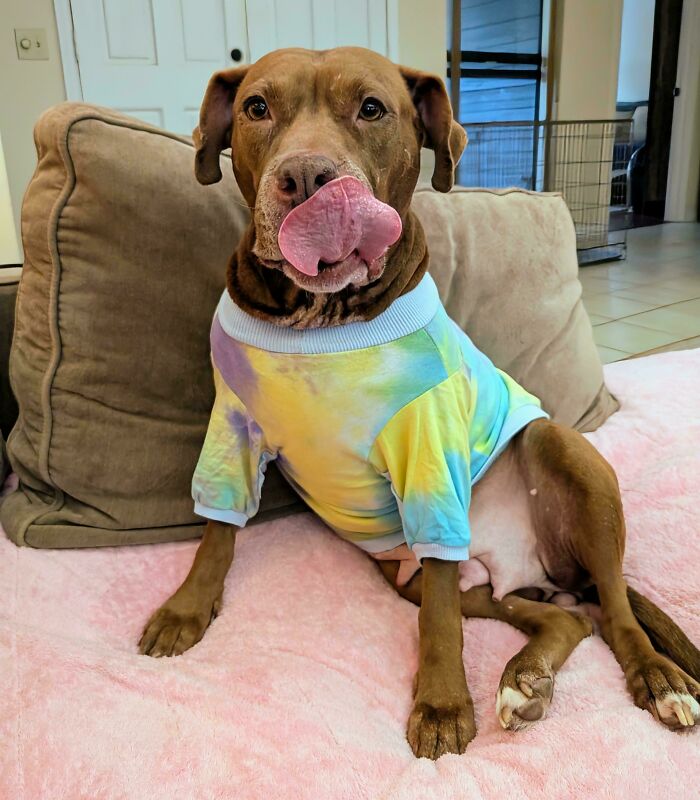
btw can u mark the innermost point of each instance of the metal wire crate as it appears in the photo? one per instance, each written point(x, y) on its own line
point(587, 161)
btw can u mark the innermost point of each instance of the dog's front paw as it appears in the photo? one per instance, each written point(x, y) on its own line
point(172, 630)
point(436, 728)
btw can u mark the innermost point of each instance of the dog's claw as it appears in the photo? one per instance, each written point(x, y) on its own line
point(683, 707)
point(435, 730)
point(170, 633)
point(524, 695)
point(666, 691)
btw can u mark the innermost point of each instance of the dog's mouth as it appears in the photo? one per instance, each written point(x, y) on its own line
point(333, 276)
point(339, 236)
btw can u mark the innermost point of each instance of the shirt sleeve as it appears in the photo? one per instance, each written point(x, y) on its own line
point(229, 475)
point(424, 451)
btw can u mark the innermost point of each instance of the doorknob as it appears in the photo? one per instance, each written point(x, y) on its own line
point(236, 54)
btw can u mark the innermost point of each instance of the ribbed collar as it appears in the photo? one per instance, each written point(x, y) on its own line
point(407, 314)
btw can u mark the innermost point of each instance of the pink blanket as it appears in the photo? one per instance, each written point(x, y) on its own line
point(302, 687)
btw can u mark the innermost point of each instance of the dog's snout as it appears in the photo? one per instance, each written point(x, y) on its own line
point(298, 177)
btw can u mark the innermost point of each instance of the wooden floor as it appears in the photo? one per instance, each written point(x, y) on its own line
point(650, 302)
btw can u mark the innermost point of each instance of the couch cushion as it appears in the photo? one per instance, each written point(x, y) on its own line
point(505, 264)
point(125, 259)
point(301, 687)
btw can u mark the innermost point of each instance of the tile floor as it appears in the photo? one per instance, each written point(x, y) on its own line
point(650, 302)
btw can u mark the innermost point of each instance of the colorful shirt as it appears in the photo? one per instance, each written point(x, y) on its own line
point(381, 426)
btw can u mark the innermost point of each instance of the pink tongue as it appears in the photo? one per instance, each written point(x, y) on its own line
point(341, 217)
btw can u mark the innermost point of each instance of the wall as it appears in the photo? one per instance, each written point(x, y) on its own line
point(419, 34)
point(587, 49)
point(635, 50)
point(27, 88)
point(9, 246)
point(586, 45)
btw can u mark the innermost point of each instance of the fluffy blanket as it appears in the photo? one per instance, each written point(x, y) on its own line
point(302, 686)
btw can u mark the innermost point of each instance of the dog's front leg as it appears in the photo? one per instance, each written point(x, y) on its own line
point(442, 719)
point(181, 621)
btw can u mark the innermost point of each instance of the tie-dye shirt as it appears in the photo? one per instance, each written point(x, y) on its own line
point(381, 426)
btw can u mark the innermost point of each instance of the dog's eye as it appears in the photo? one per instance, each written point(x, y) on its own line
point(371, 109)
point(255, 108)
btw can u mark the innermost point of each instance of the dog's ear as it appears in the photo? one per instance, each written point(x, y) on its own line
point(213, 134)
point(442, 134)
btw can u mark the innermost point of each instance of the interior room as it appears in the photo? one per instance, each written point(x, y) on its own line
point(312, 278)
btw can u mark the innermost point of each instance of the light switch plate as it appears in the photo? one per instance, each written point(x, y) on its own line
point(31, 44)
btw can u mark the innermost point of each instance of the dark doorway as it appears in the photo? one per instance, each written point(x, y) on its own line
point(651, 170)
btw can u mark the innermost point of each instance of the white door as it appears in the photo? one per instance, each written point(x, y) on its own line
point(316, 24)
point(152, 58)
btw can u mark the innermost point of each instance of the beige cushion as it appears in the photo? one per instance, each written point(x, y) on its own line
point(125, 259)
point(505, 264)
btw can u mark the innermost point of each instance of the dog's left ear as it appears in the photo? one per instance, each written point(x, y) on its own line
point(213, 134)
point(442, 134)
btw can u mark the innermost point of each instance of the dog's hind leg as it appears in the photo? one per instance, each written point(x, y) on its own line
point(581, 535)
point(527, 684)
point(526, 687)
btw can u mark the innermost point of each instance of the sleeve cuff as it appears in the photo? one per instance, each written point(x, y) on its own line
point(441, 551)
point(221, 515)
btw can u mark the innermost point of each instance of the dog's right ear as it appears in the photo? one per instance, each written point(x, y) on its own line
point(213, 134)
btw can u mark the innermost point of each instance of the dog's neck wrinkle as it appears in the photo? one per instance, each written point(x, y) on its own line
point(269, 295)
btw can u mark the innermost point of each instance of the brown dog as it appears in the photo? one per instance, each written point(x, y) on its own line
point(295, 120)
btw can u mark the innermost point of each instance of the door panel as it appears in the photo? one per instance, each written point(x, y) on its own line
point(293, 24)
point(128, 28)
point(317, 24)
point(202, 28)
point(152, 58)
point(351, 24)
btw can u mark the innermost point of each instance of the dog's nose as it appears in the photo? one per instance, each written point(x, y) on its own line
point(298, 177)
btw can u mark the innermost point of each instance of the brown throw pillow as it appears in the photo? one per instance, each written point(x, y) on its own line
point(505, 264)
point(125, 260)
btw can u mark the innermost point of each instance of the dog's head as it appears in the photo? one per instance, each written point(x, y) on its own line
point(298, 119)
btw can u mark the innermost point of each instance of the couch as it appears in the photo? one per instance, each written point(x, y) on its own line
point(9, 281)
point(302, 686)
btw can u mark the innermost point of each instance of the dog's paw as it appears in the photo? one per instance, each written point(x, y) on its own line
point(436, 728)
point(666, 691)
point(169, 632)
point(524, 693)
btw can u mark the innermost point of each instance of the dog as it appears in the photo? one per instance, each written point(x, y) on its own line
point(348, 120)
